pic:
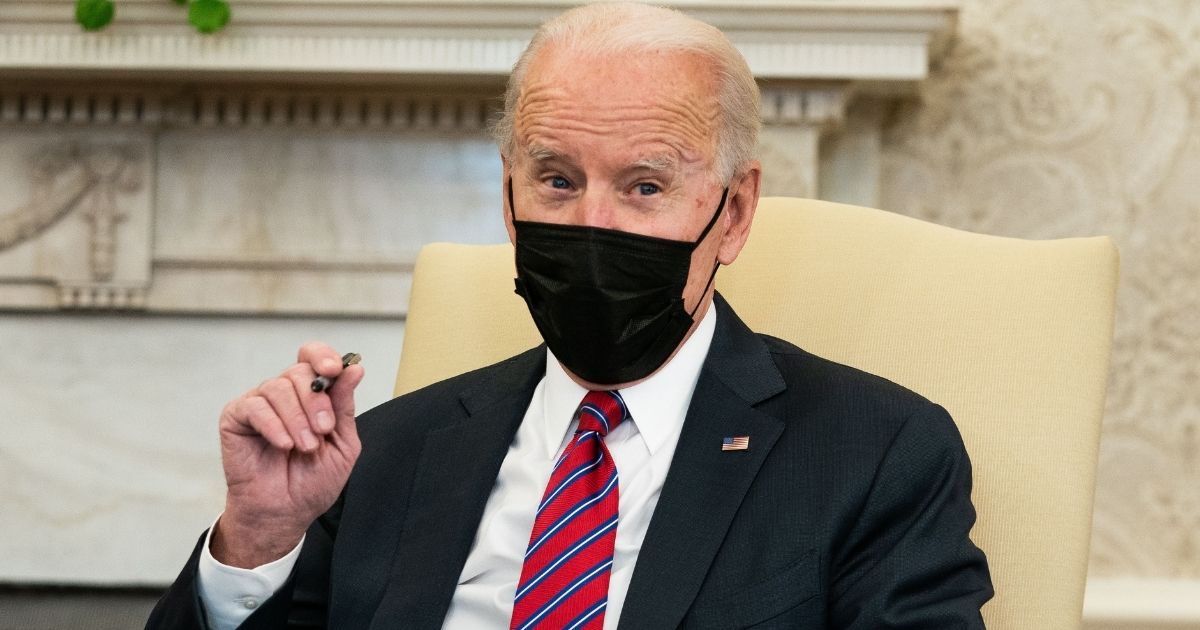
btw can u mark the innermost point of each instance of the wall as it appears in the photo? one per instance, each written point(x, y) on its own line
point(110, 463)
point(1070, 118)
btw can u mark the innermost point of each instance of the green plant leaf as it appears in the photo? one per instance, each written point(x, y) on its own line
point(208, 16)
point(180, 2)
point(94, 15)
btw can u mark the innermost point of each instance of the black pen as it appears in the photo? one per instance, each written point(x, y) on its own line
point(322, 383)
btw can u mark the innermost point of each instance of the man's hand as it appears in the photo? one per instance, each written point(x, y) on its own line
point(287, 452)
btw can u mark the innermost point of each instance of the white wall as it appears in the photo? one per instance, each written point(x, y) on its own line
point(109, 463)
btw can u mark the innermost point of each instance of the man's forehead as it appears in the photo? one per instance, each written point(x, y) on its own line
point(664, 104)
point(671, 70)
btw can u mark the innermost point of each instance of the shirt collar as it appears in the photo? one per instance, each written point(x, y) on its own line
point(657, 405)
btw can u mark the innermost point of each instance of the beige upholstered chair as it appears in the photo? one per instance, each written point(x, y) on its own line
point(1011, 336)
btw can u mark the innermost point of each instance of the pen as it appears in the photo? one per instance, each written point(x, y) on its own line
point(322, 383)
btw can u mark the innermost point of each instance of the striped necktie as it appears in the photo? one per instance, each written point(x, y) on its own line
point(564, 578)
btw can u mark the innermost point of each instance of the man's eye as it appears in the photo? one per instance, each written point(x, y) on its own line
point(648, 189)
point(560, 183)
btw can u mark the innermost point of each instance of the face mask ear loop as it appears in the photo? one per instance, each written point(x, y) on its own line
point(713, 220)
point(512, 209)
point(711, 278)
point(716, 265)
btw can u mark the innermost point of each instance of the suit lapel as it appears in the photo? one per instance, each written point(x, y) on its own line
point(456, 472)
point(705, 485)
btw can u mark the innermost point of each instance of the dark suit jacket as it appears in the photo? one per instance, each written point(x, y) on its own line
point(850, 509)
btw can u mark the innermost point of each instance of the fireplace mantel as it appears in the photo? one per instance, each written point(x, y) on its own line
point(458, 40)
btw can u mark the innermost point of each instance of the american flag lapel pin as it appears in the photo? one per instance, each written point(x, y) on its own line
point(735, 443)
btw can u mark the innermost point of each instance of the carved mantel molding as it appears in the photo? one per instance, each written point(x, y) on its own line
point(856, 40)
point(334, 97)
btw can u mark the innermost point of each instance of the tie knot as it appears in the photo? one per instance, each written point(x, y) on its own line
point(601, 412)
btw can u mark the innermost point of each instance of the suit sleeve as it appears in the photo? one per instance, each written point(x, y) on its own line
point(908, 562)
point(302, 602)
point(180, 606)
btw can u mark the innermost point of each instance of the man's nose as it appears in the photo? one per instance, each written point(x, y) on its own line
point(596, 209)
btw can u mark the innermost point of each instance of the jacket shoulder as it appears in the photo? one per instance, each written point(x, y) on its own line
point(849, 398)
point(800, 367)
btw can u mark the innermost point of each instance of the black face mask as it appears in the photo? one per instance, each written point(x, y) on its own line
point(609, 304)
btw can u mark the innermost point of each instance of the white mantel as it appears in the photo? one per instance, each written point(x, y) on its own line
point(851, 40)
point(178, 211)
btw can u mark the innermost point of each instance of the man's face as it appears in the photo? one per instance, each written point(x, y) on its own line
point(627, 143)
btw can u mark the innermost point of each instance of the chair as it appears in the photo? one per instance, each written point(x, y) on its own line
point(1011, 336)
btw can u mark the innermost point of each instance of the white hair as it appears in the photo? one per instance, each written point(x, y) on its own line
point(629, 27)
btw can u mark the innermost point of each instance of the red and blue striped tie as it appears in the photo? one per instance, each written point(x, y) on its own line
point(564, 580)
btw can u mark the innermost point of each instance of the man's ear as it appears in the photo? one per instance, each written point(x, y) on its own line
point(739, 211)
point(505, 194)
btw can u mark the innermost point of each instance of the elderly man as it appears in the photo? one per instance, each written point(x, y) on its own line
point(656, 464)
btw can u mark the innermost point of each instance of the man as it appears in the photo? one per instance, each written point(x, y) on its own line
point(710, 477)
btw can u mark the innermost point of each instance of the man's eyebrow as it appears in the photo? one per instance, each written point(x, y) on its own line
point(539, 153)
point(664, 162)
point(661, 162)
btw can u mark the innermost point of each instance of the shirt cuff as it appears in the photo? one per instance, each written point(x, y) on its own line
point(231, 594)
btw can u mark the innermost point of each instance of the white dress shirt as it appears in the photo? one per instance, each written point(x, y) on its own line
point(641, 449)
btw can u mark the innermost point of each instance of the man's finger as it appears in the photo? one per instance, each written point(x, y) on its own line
point(341, 395)
point(256, 413)
point(282, 396)
point(317, 406)
point(322, 357)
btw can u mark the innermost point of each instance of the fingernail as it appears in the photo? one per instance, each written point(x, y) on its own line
point(329, 365)
point(324, 420)
point(308, 439)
